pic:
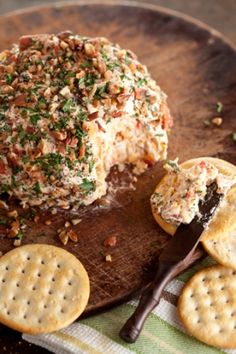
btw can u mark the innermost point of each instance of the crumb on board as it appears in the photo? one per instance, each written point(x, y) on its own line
point(17, 242)
point(67, 224)
point(3, 205)
point(12, 214)
point(65, 235)
point(219, 107)
point(14, 230)
point(207, 122)
point(110, 241)
point(36, 218)
point(76, 221)
point(54, 211)
point(73, 236)
point(217, 121)
point(108, 258)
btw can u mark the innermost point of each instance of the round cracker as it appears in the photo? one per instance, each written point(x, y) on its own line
point(43, 288)
point(207, 306)
point(224, 220)
point(222, 246)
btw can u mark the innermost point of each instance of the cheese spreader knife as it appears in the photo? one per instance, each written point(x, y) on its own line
point(173, 259)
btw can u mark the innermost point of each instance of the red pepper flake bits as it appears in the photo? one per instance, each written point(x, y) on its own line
point(110, 241)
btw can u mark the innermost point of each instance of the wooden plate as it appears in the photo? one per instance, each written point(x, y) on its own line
point(196, 67)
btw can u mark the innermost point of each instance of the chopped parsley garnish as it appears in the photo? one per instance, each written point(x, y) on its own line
point(91, 165)
point(113, 65)
point(16, 169)
point(34, 119)
point(3, 221)
point(79, 132)
point(20, 235)
point(25, 158)
point(90, 79)
point(82, 116)
point(4, 188)
point(36, 188)
point(104, 55)
point(174, 165)
point(219, 107)
point(61, 124)
point(4, 107)
point(86, 64)
point(9, 79)
point(87, 186)
point(100, 91)
point(50, 163)
point(70, 74)
point(42, 103)
point(81, 81)
point(68, 105)
point(5, 128)
point(142, 82)
point(127, 59)
point(69, 163)
point(24, 137)
point(62, 74)
point(24, 112)
point(159, 134)
point(87, 80)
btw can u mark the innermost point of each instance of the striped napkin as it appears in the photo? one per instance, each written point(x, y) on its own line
point(163, 332)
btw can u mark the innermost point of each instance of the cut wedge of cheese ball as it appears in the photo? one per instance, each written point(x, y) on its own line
point(176, 197)
point(71, 107)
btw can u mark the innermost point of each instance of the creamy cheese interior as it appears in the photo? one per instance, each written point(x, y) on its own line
point(177, 199)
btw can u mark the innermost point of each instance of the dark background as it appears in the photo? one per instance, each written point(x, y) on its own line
point(219, 14)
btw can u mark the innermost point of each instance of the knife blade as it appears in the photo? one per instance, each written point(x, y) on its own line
point(172, 261)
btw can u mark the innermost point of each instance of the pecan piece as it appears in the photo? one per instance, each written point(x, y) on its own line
point(63, 237)
point(72, 235)
point(110, 241)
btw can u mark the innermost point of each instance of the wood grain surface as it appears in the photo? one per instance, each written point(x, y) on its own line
point(216, 13)
point(196, 67)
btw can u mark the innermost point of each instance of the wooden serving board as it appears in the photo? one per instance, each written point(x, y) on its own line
point(196, 67)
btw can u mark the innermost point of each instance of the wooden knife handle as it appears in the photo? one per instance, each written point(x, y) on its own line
point(148, 301)
point(150, 298)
